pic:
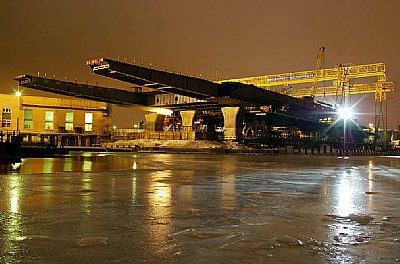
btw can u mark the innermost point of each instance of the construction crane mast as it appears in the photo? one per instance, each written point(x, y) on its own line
point(320, 60)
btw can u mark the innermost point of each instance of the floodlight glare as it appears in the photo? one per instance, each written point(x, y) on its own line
point(345, 113)
point(18, 93)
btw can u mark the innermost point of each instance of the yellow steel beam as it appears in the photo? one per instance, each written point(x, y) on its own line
point(331, 74)
point(361, 88)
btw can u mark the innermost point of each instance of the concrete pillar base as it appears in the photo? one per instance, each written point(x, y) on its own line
point(154, 122)
point(233, 122)
point(187, 120)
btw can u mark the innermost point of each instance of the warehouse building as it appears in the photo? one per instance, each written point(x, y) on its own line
point(54, 121)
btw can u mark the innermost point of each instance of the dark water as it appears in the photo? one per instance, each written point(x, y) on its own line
point(175, 208)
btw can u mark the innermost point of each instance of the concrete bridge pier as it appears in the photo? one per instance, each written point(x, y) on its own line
point(154, 122)
point(187, 120)
point(233, 122)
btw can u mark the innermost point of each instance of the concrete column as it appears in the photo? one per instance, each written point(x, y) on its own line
point(187, 120)
point(154, 122)
point(233, 122)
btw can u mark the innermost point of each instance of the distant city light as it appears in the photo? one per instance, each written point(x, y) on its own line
point(18, 93)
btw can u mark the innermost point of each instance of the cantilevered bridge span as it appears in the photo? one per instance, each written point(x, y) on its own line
point(188, 94)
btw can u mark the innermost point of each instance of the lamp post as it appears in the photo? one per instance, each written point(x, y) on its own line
point(18, 94)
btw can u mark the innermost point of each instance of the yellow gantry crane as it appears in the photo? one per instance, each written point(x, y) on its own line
point(339, 75)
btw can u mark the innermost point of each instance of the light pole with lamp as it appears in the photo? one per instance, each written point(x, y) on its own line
point(18, 94)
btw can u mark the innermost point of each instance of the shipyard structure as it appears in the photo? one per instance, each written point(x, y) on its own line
point(264, 111)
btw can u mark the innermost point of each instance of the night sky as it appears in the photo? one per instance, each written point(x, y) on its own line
point(235, 38)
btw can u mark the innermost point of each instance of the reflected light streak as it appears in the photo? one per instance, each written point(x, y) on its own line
point(159, 207)
point(13, 228)
point(345, 204)
point(68, 164)
point(14, 194)
point(162, 194)
point(228, 184)
point(87, 165)
point(371, 183)
point(47, 165)
point(134, 191)
point(47, 187)
point(370, 176)
point(87, 196)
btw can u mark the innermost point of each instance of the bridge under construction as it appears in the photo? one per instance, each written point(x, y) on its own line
point(270, 110)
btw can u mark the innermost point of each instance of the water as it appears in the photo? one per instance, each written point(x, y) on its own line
point(175, 208)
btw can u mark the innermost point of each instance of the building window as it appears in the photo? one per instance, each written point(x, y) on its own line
point(69, 121)
point(6, 123)
point(49, 120)
point(28, 119)
point(6, 117)
point(88, 121)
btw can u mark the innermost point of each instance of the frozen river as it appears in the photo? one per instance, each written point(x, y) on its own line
point(195, 208)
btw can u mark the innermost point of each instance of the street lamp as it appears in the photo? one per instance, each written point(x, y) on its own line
point(18, 94)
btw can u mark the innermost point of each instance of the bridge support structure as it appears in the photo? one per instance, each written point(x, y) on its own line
point(187, 120)
point(233, 122)
point(154, 122)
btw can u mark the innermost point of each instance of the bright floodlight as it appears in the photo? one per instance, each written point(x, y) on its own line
point(345, 113)
point(18, 93)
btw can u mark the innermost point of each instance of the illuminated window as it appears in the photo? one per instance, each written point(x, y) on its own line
point(69, 121)
point(49, 120)
point(28, 119)
point(6, 117)
point(88, 121)
point(6, 123)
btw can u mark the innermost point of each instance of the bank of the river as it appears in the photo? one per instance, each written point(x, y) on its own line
point(228, 147)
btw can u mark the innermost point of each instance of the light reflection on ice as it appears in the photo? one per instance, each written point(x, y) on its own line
point(47, 165)
point(134, 189)
point(345, 204)
point(159, 208)
point(13, 225)
point(68, 164)
point(161, 195)
point(15, 194)
point(284, 211)
point(371, 182)
point(87, 165)
point(87, 192)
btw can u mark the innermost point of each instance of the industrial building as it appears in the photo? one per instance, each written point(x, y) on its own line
point(54, 121)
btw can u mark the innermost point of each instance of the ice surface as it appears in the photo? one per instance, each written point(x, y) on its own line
point(185, 208)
